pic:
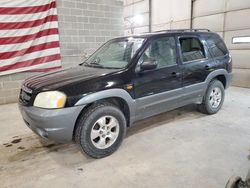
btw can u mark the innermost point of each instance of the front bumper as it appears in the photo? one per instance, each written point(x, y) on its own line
point(53, 124)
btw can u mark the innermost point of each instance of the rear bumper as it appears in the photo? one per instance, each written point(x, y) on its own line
point(55, 124)
point(229, 78)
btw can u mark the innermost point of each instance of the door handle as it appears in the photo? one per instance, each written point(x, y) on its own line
point(175, 74)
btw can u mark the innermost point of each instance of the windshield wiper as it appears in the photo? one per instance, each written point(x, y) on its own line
point(83, 63)
point(95, 63)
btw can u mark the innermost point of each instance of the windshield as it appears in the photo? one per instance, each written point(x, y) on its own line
point(115, 54)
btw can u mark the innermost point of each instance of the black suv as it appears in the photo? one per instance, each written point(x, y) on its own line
point(125, 80)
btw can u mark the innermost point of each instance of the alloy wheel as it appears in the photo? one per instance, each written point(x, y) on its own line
point(104, 132)
point(215, 97)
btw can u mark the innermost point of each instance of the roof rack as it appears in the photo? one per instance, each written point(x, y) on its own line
point(183, 30)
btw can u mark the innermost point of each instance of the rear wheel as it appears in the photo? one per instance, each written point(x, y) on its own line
point(100, 130)
point(213, 99)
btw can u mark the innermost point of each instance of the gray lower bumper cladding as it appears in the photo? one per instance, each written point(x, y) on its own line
point(53, 124)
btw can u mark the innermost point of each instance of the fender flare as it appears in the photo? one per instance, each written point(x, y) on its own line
point(218, 72)
point(109, 93)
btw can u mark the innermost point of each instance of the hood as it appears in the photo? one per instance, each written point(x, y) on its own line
point(56, 79)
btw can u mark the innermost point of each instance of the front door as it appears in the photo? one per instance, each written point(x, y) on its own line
point(158, 90)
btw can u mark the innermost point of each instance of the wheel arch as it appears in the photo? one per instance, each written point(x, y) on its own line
point(222, 79)
point(222, 75)
point(117, 97)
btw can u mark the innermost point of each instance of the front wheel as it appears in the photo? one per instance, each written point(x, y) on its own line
point(213, 99)
point(100, 130)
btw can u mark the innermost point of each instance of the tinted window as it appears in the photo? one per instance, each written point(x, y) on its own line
point(115, 53)
point(163, 50)
point(191, 49)
point(216, 47)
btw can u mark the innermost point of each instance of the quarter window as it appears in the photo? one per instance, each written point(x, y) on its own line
point(216, 47)
point(191, 49)
point(162, 50)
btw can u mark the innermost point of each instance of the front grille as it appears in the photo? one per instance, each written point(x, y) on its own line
point(25, 95)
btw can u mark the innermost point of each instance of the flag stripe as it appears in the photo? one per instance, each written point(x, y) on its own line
point(41, 40)
point(27, 10)
point(31, 62)
point(51, 64)
point(29, 36)
point(28, 24)
point(35, 48)
point(30, 56)
point(27, 31)
point(25, 38)
point(24, 3)
point(27, 17)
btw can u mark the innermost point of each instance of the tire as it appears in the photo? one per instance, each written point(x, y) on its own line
point(233, 182)
point(211, 97)
point(100, 130)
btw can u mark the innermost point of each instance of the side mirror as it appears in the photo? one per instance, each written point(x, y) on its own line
point(148, 65)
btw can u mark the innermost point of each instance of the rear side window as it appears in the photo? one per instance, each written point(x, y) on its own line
point(216, 46)
point(191, 49)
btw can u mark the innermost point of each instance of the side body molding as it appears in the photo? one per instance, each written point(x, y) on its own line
point(119, 93)
point(194, 93)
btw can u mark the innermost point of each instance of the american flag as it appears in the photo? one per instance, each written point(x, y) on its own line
point(29, 38)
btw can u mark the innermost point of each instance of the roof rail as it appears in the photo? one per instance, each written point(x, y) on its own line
point(183, 30)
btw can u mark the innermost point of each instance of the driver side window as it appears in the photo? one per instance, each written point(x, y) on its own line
point(161, 50)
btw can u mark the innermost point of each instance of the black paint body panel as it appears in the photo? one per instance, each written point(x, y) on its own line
point(81, 80)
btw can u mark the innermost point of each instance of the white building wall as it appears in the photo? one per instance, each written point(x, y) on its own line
point(170, 14)
point(132, 8)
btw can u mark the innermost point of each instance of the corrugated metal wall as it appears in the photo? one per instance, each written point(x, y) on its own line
point(229, 18)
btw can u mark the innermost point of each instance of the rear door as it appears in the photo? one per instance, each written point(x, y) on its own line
point(196, 65)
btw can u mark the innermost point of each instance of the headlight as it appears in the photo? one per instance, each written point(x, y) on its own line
point(50, 99)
